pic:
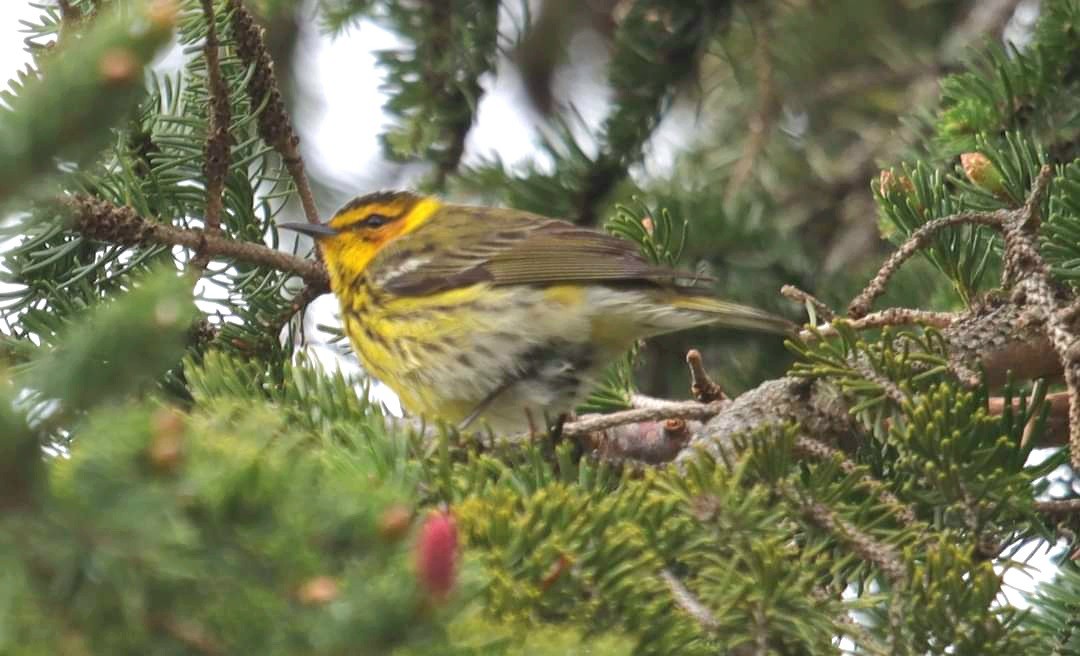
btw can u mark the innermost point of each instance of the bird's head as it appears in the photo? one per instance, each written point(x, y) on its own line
point(364, 226)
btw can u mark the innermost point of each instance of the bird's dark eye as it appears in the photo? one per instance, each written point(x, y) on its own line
point(374, 221)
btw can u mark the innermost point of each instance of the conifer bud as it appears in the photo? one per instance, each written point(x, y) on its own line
point(982, 173)
point(394, 523)
point(119, 66)
point(318, 591)
point(166, 450)
point(891, 183)
point(163, 14)
point(436, 554)
point(648, 225)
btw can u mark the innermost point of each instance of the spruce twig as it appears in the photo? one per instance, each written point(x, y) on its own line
point(1058, 507)
point(808, 447)
point(686, 600)
point(275, 127)
point(883, 319)
point(218, 139)
point(882, 555)
point(791, 292)
point(916, 242)
point(99, 219)
point(676, 410)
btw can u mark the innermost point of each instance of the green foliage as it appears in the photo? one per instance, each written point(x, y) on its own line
point(245, 505)
point(84, 86)
point(151, 167)
point(1028, 91)
point(1054, 617)
point(121, 348)
point(434, 83)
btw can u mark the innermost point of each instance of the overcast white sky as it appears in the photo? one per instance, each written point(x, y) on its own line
point(342, 98)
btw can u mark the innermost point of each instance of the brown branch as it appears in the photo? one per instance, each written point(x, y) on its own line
point(676, 410)
point(701, 386)
point(883, 319)
point(189, 634)
point(808, 447)
point(262, 87)
point(686, 600)
point(1056, 430)
point(643, 401)
point(101, 220)
point(1001, 338)
point(298, 305)
point(1058, 507)
point(885, 557)
point(791, 292)
point(1051, 303)
point(916, 242)
point(218, 140)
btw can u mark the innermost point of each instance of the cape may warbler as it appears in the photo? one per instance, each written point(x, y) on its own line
point(474, 312)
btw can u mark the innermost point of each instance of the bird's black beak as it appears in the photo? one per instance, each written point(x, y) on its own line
point(315, 230)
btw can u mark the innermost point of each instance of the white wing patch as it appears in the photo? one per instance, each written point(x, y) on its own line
point(408, 266)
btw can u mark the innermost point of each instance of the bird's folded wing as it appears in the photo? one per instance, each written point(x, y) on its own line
point(502, 247)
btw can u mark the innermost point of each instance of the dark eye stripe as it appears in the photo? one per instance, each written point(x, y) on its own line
point(375, 221)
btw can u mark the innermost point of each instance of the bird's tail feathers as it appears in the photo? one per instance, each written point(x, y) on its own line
point(734, 315)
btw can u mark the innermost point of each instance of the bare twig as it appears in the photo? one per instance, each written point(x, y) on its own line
point(676, 410)
point(701, 386)
point(825, 313)
point(218, 140)
point(1058, 507)
point(99, 219)
point(686, 600)
point(646, 401)
point(885, 318)
point(916, 242)
point(310, 292)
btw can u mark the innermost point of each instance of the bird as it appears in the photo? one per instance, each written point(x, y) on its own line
point(499, 315)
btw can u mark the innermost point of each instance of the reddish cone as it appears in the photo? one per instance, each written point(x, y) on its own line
point(436, 554)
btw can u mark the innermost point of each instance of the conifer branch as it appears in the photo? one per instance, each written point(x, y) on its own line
point(882, 555)
point(218, 139)
point(101, 220)
point(806, 298)
point(883, 319)
point(1053, 304)
point(808, 447)
point(760, 121)
point(657, 46)
point(1057, 507)
point(275, 127)
point(675, 410)
point(916, 242)
point(686, 600)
